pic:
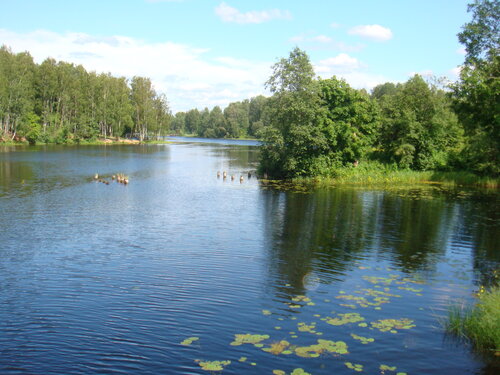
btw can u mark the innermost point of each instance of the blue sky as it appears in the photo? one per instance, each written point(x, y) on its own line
point(209, 52)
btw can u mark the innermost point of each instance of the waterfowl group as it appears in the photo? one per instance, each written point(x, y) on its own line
point(233, 177)
point(120, 178)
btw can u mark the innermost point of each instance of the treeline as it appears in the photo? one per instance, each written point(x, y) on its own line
point(318, 126)
point(62, 103)
point(239, 119)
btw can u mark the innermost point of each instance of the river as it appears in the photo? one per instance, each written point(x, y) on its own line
point(180, 268)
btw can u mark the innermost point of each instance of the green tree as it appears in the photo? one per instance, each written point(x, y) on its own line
point(236, 115)
point(477, 94)
point(352, 121)
point(294, 144)
point(419, 129)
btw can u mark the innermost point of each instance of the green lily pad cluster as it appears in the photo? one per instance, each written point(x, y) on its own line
point(247, 338)
point(323, 346)
point(384, 368)
point(189, 341)
point(279, 347)
point(381, 280)
point(414, 290)
point(377, 293)
point(297, 371)
point(354, 366)
point(213, 365)
point(345, 319)
point(364, 340)
point(392, 325)
point(266, 312)
point(303, 327)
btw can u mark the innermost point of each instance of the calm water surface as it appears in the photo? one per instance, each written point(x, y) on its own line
point(111, 279)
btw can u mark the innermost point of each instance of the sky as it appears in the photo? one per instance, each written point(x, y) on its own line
point(202, 53)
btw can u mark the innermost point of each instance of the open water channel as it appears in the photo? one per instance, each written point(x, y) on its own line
point(179, 268)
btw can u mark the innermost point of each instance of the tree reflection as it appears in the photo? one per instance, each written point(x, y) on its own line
point(327, 231)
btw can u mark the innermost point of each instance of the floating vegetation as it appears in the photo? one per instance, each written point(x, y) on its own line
point(313, 351)
point(345, 319)
point(279, 372)
point(299, 371)
point(303, 327)
point(381, 280)
point(364, 340)
point(363, 324)
point(415, 290)
point(378, 293)
point(354, 366)
point(247, 338)
point(392, 325)
point(242, 359)
point(279, 347)
point(212, 365)
point(266, 312)
point(301, 298)
point(189, 341)
point(387, 368)
point(294, 306)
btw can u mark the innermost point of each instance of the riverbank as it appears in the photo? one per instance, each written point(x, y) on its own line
point(479, 324)
point(91, 142)
point(373, 173)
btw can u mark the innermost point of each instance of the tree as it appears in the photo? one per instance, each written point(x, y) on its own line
point(293, 143)
point(352, 121)
point(477, 94)
point(419, 129)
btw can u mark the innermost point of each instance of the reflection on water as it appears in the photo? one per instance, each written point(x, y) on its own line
point(99, 278)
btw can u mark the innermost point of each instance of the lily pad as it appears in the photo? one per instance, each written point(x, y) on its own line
point(321, 347)
point(247, 338)
point(364, 340)
point(266, 312)
point(299, 371)
point(354, 366)
point(213, 365)
point(277, 348)
point(387, 368)
point(393, 325)
point(301, 298)
point(279, 372)
point(345, 319)
point(189, 341)
point(303, 327)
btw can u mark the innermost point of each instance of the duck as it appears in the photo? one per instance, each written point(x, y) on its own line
point(218, 174)
point(241, 179)
point(224, 174)
point(96, 176)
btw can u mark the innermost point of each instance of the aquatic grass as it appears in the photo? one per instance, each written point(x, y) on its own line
point(375, 173)
point(479, 324)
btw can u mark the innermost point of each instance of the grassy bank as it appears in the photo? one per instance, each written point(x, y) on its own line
point(479, 324)
point(373, 173)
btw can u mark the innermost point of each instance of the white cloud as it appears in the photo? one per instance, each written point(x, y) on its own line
point(373, 32)
point(350, 69)
point(341, 63)
point(185, 74)
point(335, 25)
point(229, 14)
point(324, 42)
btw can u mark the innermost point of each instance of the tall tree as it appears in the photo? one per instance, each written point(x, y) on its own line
point(477, 94)
point(293, 143)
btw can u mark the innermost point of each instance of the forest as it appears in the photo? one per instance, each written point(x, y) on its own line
point(309, 126)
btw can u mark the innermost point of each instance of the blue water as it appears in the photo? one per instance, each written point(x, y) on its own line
point(110, 279)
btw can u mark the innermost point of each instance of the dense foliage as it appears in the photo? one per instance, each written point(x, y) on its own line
point(237, 120)
point(60, 102)
point(477, 94)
